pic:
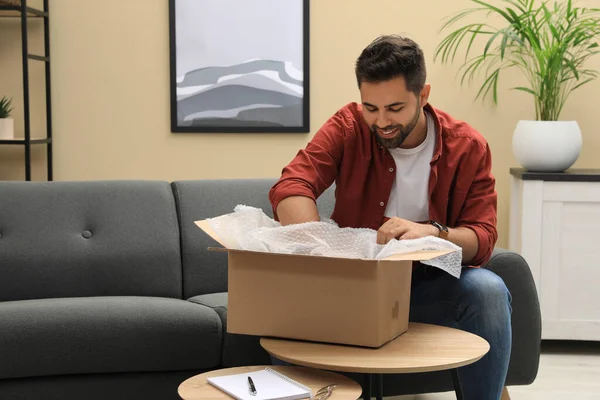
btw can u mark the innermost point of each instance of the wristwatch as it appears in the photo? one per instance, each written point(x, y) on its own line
point(443, 229)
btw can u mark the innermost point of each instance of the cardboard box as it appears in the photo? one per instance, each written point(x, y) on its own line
point(323, 299)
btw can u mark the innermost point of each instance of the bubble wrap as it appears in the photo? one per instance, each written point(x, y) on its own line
point(249, 228)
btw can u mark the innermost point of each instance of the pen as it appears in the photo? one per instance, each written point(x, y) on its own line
point(251, 387)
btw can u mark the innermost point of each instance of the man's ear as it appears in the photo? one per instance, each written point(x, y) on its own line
point(424, 96)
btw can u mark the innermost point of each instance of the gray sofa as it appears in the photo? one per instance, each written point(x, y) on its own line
point(107, 291)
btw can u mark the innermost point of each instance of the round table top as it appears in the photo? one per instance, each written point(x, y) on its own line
point(196, 387)
point(423, 348)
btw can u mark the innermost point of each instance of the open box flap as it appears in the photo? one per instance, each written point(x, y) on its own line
point(205, 226)
point(421, 255)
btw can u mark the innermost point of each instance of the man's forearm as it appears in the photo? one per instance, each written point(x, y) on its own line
point(467, 240)
point(297, 210)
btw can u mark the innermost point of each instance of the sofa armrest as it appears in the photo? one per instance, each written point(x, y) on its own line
point(526, 315)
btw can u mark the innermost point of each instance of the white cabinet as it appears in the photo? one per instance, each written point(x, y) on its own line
point(555, 226)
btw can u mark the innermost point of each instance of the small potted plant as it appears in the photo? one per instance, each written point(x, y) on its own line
point(550, 44)
point(6, 123)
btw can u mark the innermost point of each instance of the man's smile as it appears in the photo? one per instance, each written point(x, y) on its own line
point(391, 132)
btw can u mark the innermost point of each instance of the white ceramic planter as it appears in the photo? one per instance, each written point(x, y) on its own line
point(7, 128)
point(547, 146)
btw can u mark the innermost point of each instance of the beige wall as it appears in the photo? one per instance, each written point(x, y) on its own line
point(111, 93)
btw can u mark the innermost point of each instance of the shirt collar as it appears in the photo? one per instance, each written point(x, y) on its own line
point(437, 152)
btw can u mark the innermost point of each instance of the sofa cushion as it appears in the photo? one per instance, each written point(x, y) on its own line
point(128, 386)
point(106, 334)
point(205, 271)
point(238, 350)
point(96, 238)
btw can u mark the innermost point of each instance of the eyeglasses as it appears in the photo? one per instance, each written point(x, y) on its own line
point(325, 392)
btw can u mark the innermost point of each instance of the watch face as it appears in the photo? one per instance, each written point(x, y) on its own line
point(439, 226)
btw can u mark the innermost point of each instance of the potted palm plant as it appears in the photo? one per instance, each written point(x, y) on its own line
point(6, 123)
point(549, 42)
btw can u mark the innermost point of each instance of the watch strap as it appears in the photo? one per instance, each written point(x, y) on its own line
point(443, 230)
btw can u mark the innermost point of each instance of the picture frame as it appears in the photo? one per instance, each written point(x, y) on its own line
point(239, 66)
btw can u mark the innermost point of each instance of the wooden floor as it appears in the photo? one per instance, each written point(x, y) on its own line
point(568, 370)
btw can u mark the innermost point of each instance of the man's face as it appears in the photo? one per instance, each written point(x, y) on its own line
point(391, 110)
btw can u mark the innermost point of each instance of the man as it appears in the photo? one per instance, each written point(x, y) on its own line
point(408, 170)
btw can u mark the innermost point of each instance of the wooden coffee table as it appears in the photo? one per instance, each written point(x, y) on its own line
point(196, 387)
point(423, 348)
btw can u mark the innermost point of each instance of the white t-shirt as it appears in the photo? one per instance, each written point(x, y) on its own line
point(409, 198)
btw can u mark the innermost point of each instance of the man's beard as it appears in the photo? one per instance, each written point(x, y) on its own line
point(400, 137)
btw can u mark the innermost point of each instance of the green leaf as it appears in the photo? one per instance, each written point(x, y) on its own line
point(456, 18)
point(531, 5)
point(5, 107)
point(503, 46)
point(513, 14)
point(526, 90)
point(583, 83)
point(491, 41)
point(453, 41)
point(490, 84)
point(459, 41)
point(573, 68)
point(519, 6)
point(495, 9)
point(471, 68)
point(476, 32)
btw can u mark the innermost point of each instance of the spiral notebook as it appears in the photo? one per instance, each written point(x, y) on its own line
point(269, 384)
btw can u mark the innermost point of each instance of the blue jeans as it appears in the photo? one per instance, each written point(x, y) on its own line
point(478, 302)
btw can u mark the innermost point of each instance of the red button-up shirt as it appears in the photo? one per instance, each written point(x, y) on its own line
point(461, 185)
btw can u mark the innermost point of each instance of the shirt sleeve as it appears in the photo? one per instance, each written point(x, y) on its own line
point(315, 167)
point(479, 212)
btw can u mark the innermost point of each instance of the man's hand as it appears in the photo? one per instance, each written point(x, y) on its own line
point(398, 228)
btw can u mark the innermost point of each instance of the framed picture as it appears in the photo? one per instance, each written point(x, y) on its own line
point(239, 65)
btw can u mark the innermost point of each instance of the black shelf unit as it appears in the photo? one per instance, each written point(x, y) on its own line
point(22, 11)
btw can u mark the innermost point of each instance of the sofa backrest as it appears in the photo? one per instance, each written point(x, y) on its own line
point(206, 271)
point(96, 238)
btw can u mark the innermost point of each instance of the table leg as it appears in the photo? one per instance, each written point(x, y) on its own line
point(379, 386)
point(457, 387)
point(367, 387)
point(369, 384)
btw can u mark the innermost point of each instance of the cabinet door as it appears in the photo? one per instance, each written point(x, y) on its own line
point(570, 268)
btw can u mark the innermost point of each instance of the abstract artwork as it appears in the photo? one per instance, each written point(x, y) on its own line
point(239, 65)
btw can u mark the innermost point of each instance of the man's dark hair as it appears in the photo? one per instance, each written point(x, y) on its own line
point(389, 57)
